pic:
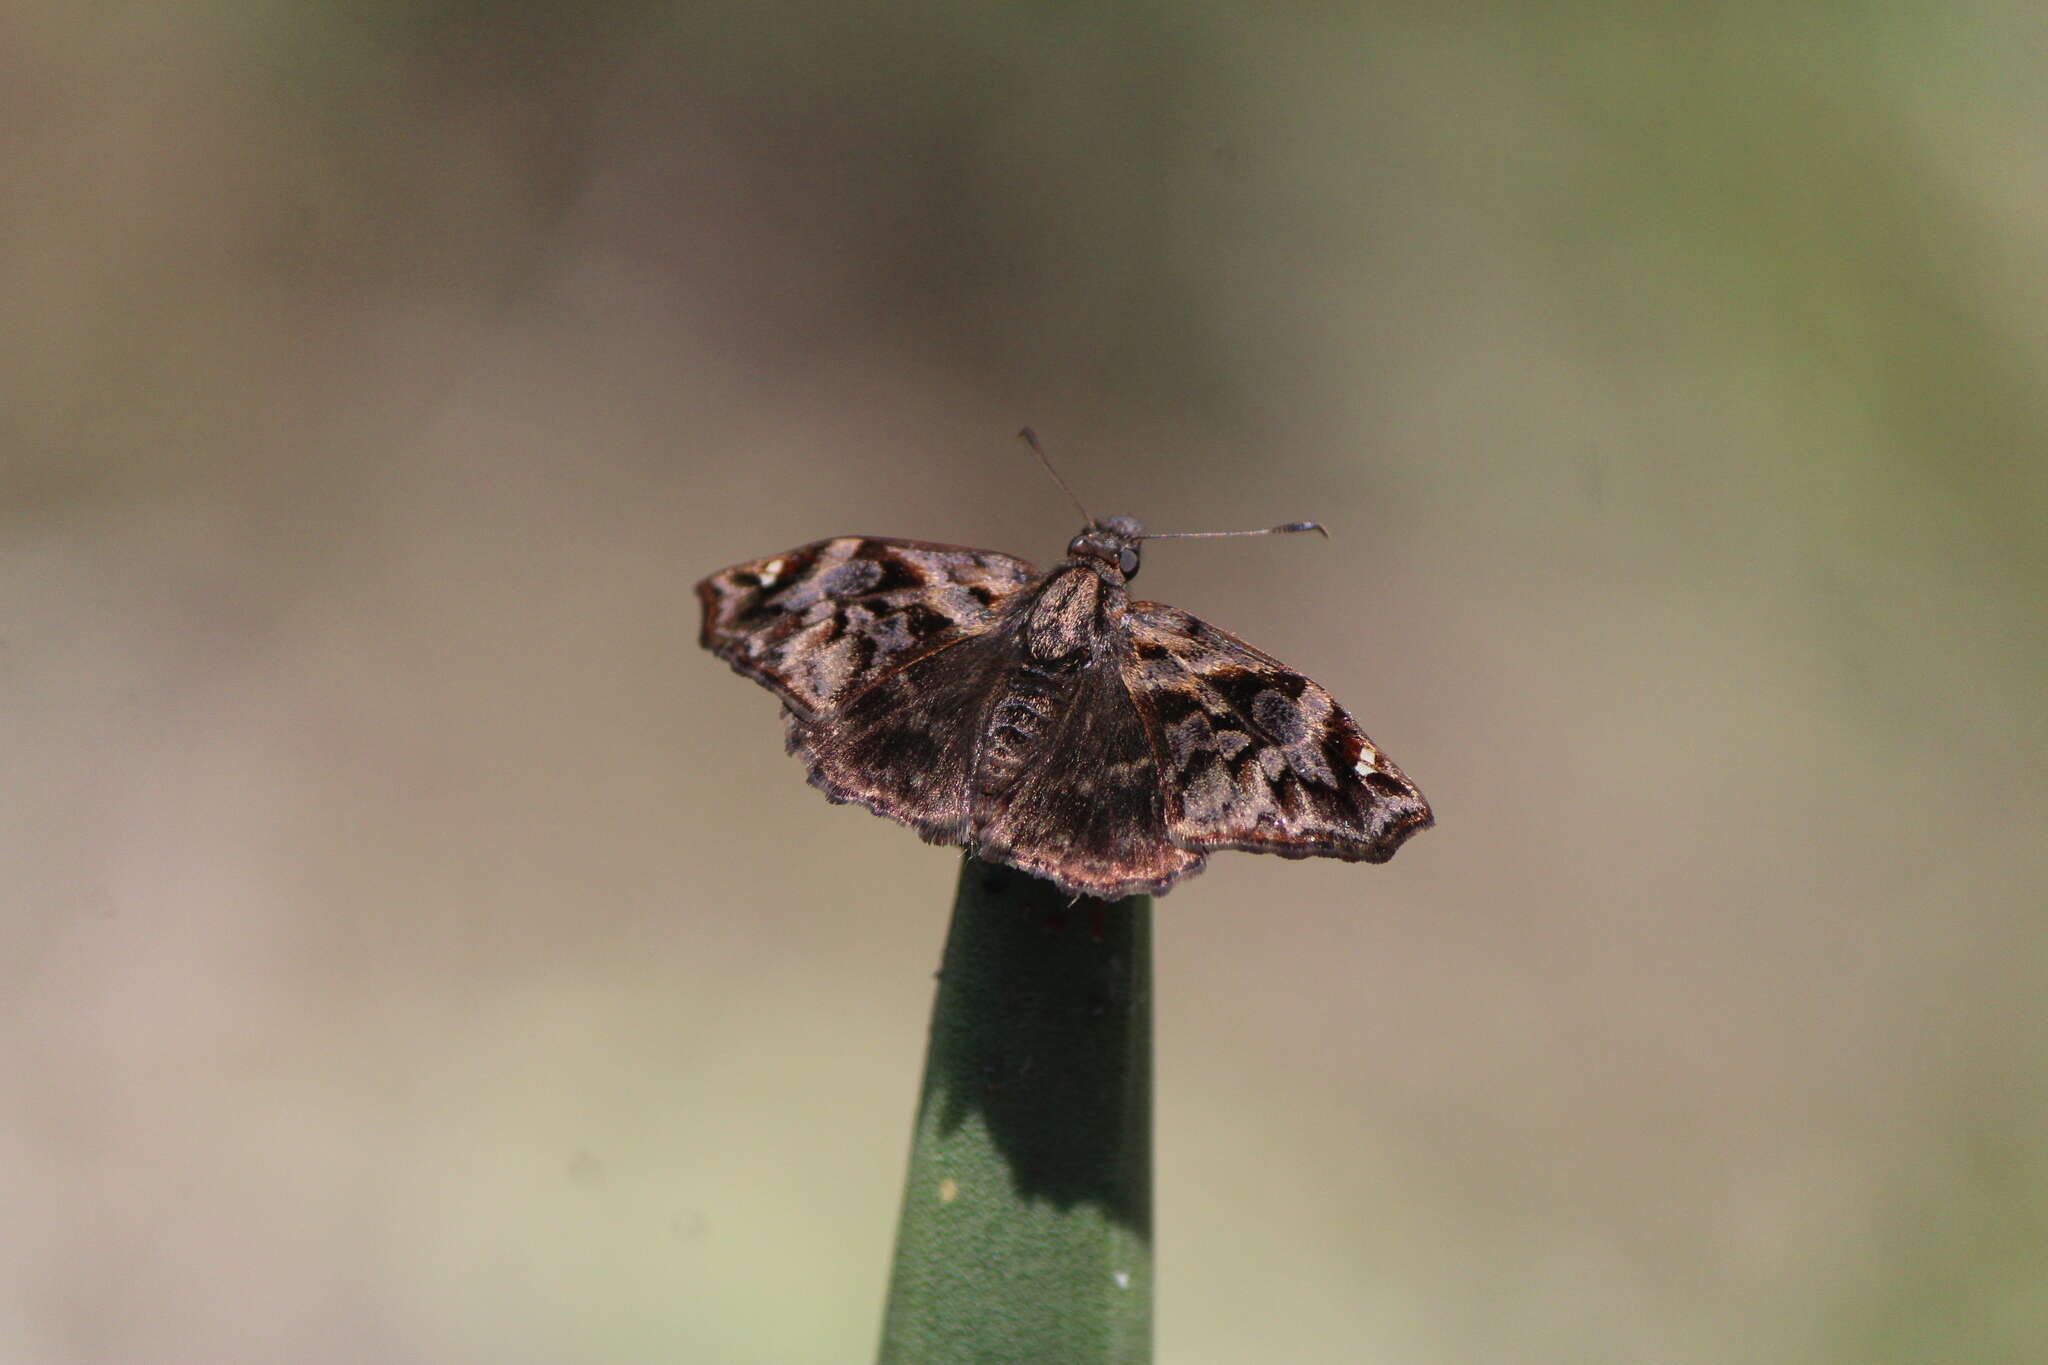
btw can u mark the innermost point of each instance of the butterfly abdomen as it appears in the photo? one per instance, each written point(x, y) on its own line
point(1025, 713)
point(1061, 630)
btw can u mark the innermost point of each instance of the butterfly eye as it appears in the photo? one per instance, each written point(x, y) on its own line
point(1127, 560)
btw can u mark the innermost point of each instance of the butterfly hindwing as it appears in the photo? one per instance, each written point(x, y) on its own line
point(1087, 806)
point(904, 745)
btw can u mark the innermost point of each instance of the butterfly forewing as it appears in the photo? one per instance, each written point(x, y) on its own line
point(1257, 756)
point(821, 621)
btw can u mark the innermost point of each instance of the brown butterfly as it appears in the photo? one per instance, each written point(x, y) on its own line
point(1046, 720)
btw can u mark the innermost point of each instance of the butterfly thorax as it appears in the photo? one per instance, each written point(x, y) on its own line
point(1071, 612)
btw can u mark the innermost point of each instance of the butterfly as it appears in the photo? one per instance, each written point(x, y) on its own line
point(1045, 719)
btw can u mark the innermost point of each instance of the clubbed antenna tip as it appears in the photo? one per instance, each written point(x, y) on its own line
point(1289, 529)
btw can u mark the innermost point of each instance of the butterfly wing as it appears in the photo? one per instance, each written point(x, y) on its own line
point(1255, 756)
point(821, 622)
point(1088, 812)
point(882, 652)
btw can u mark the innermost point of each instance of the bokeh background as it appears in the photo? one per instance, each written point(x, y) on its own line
point(415, 949)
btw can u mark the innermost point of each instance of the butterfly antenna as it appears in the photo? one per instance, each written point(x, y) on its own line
point(1289, 529)
point(1030, 438)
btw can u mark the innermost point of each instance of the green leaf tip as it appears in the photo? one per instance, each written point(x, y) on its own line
point(1026, 1232)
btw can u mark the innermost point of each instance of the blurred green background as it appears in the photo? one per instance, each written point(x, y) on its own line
point(416, 949)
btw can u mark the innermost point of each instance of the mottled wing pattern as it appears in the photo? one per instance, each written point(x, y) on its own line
point(819, 622)
point(905, 744)
point(883, 653)
point(1255, 755)
point(1089, 813)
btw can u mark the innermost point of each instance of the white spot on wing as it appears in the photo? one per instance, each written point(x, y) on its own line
point(771, 572)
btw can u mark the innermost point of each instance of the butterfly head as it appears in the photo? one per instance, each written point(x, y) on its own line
point(1113, 540)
